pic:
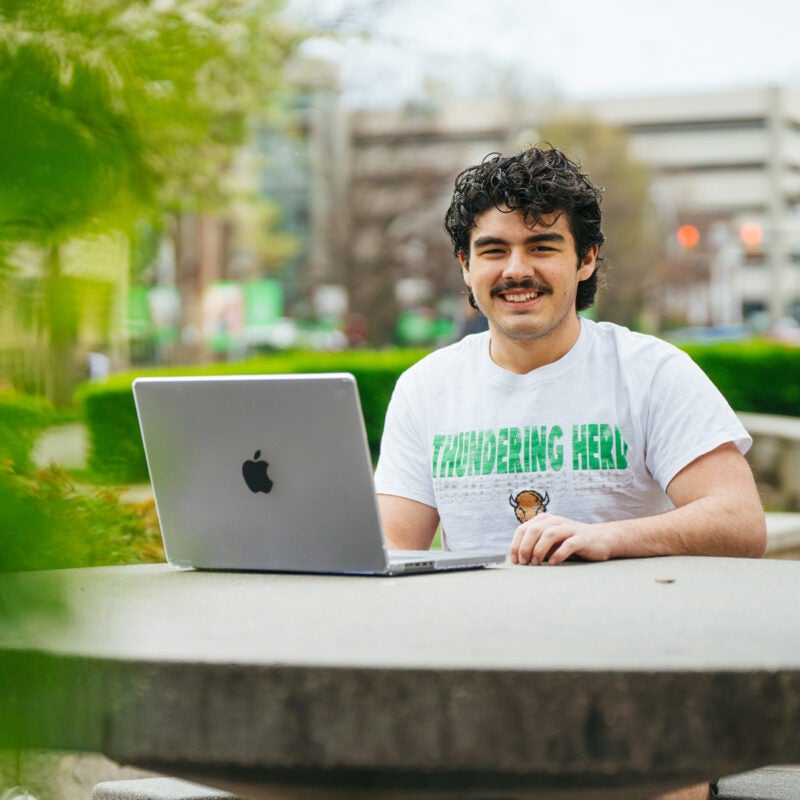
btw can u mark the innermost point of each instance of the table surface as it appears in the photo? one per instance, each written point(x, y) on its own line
point(593, 680)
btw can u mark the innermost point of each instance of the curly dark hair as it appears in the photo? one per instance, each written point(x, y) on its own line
point(538, 182)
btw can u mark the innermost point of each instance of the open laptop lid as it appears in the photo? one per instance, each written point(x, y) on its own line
point(261, 472)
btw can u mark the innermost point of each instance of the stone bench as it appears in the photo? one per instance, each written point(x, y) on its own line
point(769, 783)
point(783, 535)
point(157, 789)
point(775, 456)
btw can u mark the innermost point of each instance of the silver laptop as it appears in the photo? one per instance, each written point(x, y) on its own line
point(270, 473)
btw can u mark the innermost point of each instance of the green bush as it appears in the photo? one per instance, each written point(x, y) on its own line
point(22, 418)
point(115, 445)
point(757, 376)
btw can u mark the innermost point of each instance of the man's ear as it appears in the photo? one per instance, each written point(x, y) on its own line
point(463, 259)
point(588, 263)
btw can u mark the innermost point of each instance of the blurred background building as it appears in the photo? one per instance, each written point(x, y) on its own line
point(365, 192)
point(725, 171)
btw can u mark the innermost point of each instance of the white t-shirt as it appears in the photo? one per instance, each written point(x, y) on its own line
point(597, 435)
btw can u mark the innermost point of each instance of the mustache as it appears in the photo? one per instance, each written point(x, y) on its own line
point(528, 284)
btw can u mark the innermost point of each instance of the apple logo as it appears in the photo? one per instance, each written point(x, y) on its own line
point(255, 474)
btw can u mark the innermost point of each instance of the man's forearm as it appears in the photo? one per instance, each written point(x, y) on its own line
point(407, 524)
point(708, 526)
point(717, 512)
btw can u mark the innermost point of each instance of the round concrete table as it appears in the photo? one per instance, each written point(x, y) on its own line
point(587, 680)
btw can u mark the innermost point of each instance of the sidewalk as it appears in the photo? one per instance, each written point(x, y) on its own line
point(68, 447)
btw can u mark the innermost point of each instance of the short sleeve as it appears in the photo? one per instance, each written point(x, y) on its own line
point(687, 417)
point(404, 467)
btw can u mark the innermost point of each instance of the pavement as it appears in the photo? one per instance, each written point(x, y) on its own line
point(59, 775)
point(66, 445)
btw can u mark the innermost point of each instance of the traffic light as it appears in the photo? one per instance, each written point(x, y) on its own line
point(751, 234)
point(688, 236)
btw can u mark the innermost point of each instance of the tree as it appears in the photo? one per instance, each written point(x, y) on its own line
point(634, 251)
point(118, 107)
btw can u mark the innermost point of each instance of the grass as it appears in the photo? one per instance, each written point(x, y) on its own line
point(437, 539)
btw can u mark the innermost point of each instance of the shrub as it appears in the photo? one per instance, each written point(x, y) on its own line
point(115, 445)
point(757, 376)
point(22, 418)
point(48, 524)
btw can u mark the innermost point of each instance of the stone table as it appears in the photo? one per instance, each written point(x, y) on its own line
point(584, 681)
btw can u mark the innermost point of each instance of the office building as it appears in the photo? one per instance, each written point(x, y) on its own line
point(726, 189)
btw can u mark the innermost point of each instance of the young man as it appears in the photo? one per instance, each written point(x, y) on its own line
point(551, 435)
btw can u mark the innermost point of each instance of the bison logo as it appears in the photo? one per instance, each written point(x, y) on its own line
point(528, 504)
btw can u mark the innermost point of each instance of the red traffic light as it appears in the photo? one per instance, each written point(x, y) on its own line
point(688, 236)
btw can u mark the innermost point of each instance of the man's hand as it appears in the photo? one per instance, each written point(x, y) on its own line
point(553, 539)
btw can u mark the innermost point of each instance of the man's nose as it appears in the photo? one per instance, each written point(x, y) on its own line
point(517, 265)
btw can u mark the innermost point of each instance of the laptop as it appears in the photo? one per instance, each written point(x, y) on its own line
point(270, 473)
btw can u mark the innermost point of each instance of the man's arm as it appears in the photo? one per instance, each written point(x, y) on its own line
point(407, 524)
point(718, 513)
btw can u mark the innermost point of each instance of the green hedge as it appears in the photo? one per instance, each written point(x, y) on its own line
point(756, 376)
point(22, 418)
point(115, 445)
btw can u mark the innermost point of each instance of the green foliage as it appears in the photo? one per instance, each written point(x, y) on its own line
point(114, 105)
point(45, 521)
point(67, 147)
point(22, 418)
point(114, 438)
point(115, 446)
point(48, 524)
point(757, 376)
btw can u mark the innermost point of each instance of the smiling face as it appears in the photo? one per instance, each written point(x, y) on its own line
point(524, 278)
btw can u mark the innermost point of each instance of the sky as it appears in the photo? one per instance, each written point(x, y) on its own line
point(575, 49)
